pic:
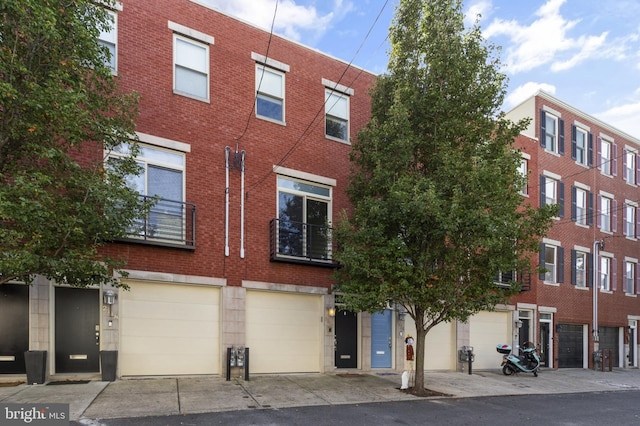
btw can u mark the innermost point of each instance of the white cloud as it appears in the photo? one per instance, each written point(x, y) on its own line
point(525, 91)
point(481, 8)
point(292, 19)
point(545, 40)
point(624, 117)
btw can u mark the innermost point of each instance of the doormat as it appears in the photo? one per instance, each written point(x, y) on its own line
point(9, 384)
point(69, 382)
point(349, 375)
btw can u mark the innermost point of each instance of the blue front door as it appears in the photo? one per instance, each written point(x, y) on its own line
point(381, 339)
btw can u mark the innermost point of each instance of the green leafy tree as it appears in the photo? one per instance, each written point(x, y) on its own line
point(437, 212)
point(61, 114)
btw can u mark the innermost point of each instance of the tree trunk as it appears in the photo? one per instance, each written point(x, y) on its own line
point(421, 333)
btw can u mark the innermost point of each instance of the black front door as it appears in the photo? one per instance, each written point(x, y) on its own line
point(14, 327)
point(77, 330)
point(570, 353)
point(346, 339)
point(544, 343)
point(609, 345)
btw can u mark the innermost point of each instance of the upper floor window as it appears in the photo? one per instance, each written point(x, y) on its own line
point(629, 219)
point(607, 273)
point(523, 170)
point(630, 165)
point(269, 93)
point(552, 192)
point(630, 270)
point(581, 206)
point(190, 61)
point(304, 218)
point(607, 208)
point(336, 115)
point(607, 157)
point(552, 260)
point(581, 268)
point(108, 38)
point(551, 132)
point(581, 146)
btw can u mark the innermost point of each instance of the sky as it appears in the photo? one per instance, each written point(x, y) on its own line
point(584, 52)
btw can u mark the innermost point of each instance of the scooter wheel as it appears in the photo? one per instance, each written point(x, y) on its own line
point(507, 370)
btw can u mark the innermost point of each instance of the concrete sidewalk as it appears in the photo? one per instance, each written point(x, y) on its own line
point(185, 395)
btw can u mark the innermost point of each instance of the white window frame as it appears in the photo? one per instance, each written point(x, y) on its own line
point(605, 271)
point(523, 169)
point(551, 264)
point(109, 39)
point(263, 91)
point(552, 142)
point(630, 166)
point(551, 183)
point(582, 151)
point(581, 278)
point(605, 213)
point(196, 39)
point(606, 157)
point(630, 212)
point(582, 208)
point(630, 268)
point(335, 113)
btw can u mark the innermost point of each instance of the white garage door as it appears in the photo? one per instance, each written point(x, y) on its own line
point(487, 329)
point(440, 351)
point(169, 329)
point(283, 332)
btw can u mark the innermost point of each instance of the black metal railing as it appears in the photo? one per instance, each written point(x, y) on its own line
point(506, 279)
point(300, 242)
point(168, 223)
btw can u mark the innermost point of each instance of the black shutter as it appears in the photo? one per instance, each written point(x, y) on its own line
point(573, 142)
point(589, 269)
point(590, 208)
point(590, 150)
point(561, 198)
point(543, 190)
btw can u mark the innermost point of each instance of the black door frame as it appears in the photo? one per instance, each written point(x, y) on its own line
point(346, 339)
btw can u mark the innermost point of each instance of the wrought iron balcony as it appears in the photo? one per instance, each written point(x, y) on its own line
point(169, 223)
point(505, 280)
point(299, 242)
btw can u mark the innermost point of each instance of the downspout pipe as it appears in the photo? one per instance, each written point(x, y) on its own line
point(227, 151)
point(242, 199)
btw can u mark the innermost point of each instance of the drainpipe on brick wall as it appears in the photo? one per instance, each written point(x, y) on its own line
point(227, 150)
point(242, 197)
point(597, 246)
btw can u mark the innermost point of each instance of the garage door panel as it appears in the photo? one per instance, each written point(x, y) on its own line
point(488, 329)
point(284, 332)
point(170, 329)
point(439, 345)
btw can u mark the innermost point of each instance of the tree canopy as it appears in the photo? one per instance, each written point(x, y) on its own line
point(61, 114)
point(436, 207)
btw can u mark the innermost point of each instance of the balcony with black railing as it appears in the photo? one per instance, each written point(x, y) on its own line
point(299, 242)
point(507, 279)
point(169, 223)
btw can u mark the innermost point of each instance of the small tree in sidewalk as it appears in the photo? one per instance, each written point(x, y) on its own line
point(437, 211)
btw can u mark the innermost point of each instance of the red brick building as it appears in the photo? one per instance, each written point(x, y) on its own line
point(592, 171)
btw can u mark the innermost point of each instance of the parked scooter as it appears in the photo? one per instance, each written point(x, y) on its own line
point(527, 362)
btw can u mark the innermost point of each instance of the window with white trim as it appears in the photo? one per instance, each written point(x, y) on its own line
point(161, 176)
point(581, 146)
point(607, 273)
point(269, 93)
point(523, 169)
point(552, 261)
point(629, 220)
point(607, 161)
point(108, 39)
point(630, 165)
point(552, 192)
point(304, 218)
point(336, 115)
point(581, 215)
point(630, 277)
point(580, 265)
point(607, 213)
point(551, 132)
point(191, 67)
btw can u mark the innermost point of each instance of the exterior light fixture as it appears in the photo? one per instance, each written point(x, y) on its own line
point(109, 298)
point(332, 312)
